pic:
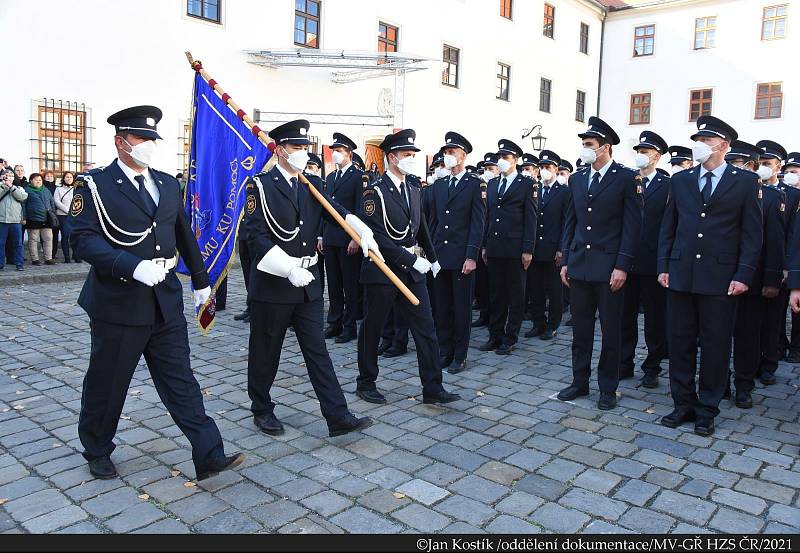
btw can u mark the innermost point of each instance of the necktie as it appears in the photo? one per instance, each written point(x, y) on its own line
point(338, 176)
point(295, 188)
point(145, 195)
point(403, 192)
point(707, 187)
point(595, 179)
point(451, 187)
point(644, 182)
point(546, 191)
point(502, 187)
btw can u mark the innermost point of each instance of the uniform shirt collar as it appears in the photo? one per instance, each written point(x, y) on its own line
point(345, 168)
point(286, 175)
point(395, 180)
point(458, 176)
point(510, 178)
point(131, 173)
point(649, 177)
point(603, 170)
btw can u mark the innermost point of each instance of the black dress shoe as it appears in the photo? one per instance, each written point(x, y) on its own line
point(504, 349)
point(346, 336)
point(767, 378)
point(571, 392)
point(607, 401)
point(242, 316)
point(395, 352)
point(446, 361)
point(102, 468)
point(534, 332)
point(479, 322)
point(66, 260)
point(743, 399)
point(625, 374)
point(218, 465)
point(650, 380)
point(704, 426)
point(793, 357)
point(332, 332)
point(457, 367)
point(269, 424)
point(349, 424)
point(548, 335)
point(677, 418)
point(442, 397)
point(371, 396)
point(383, 346)
point(491, 345)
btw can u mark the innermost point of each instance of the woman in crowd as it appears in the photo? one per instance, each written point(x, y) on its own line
point(63, 201)
point(39, 202)
point(12, 198)
point(50, 184)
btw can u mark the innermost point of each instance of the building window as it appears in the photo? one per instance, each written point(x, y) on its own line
point(505, 9)
point(769, 101)
point(640, 109)
point(580, 106)
point(306, 23)
point(773, 25)
point(705, 30)
point(204, 9)
point(503, 76)
point(387, 38)
point(61, 135)
point(545, 88)
point(549, 20)
point(186, 149)
point(450, 66)
point(584, 38)
point(644, 40)
point(700, 103)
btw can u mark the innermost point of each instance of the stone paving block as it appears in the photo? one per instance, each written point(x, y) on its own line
point(528, 460)
point(383, 501)
point(594, 504)
point(52, 521)
point(278, 513)
point(466, 509)
point(36, 504)
point(561, 470)
point(500, 472)
point(298, 488)
point(244, 496)
point(327, 503)
point(743, 502)
point(423, 492)
point(479, 488)
point(691, 509)
point(358, 520)
point(740, 464)
point(169, 490)
point(111, 503)
point(353, 486)
point(519, 504)
point(784, 514)
point(597, 480)
point(421, 518)
point(452, 455)
point(165, 526)
point(603, 527)
point(506, 524)
point(733, 522)
point(627, 467)
point(559, 519)
point(646, 522)
point(135, 517)
point(197, 508)
point(546, 488)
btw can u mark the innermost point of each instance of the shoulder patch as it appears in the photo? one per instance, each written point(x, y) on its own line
point(369, 208)
point(251, 204)
point(368, 191)
point(77, 205)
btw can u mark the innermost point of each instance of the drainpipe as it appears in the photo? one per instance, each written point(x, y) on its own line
point(600, 64)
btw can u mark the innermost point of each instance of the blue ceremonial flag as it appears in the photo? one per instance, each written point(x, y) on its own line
point(224, 153)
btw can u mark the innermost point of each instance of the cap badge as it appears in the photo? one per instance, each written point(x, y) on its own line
point(701, 127)
point(302, 131)
point(151, 122)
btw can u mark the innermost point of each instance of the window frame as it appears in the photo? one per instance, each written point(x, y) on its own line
point(202, 16)
point(643, 38)
point(500, 79)
point(774, 19)
point(770, 95)
point(546, 93)
point(640, 105)
point(51, 131)
point(307, 16)
point(578, 94)
point(552, 17)
point(507, 6)
point(705, 31)
point(701, 102)
point(385, 40)
point(583, 40)
point(447, 63)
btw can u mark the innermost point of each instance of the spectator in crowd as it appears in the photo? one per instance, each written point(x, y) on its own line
point(373, 172)
point(39, 202)
point(63, 201)
point(3, 165)
point(181, 182)
point(12, 199)
point(21, 182)
point(50, 183)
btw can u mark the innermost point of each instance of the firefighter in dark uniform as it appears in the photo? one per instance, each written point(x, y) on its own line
point(544, 284)
point(489, 170)
point(753, 332)
point(457, 216)
point(789, 185)
point(604, 220)
point(282, 220)
point(708, 252)
point(128, 224)
point(392, 209)
point(342, 262)
point(508, 247)
point(642, 287)
point(680, 158)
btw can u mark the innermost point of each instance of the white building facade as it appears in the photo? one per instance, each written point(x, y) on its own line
point(70, 65)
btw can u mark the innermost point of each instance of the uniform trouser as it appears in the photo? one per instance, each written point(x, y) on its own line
point(711, 319)
point(587, 299)
point(268, 324)
point(342, 271)
point(395, 329)
point(246, 261)
point(747, 340)
point(647, 290)
point(221, 295)
point(482, 286)
point(771, 347)
point(453, 312)
point(380, 298)
point(116, 350)
point(506, 298)
point(544, 289)
point(565, 296)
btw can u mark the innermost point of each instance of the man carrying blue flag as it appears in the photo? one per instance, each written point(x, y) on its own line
point(128, 224)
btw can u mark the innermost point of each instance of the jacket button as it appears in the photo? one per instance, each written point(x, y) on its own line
point(301, 222)
point(333, 197)
point(588, 228)
point(158, 248)
point(589, 209)
point(495, 234)
point(698, 256)
point(498, 220)
point(447, 211)
point(588, 246)
point(541, 226)
point(541, 238)
point(304, 243)
point(154, 224)
point(700, 235)
point(445, 241)
point(702, 215)
point(446, 226)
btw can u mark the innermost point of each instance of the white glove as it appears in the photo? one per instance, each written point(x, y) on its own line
point(277, 262)
point(435, 268)
point(422, 265)
point(365, 235)
point(149, 273)
point(201, 296)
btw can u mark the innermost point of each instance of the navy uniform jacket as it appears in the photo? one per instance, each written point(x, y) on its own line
point(645, 260)
point(261, 237)
point(770, 265)
point(110, 293)
point(511, 221)
point(347, 193)
point(399, 216)
point(552, 216)
point(790, 215)
point(704, 249)
point(456, 224)
point(793, 255)
point(603, 224)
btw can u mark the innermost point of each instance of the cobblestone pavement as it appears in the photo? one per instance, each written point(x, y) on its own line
point(508, 458)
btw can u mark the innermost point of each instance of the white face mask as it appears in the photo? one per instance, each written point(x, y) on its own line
point(702, 151)
point(143, 152)
point(406, 165)
point(298, 160)
point(450, 161)
point(430, 179)
point(764, 172)
point(527, 173)
point(641, 161)
point(337, 157)
point(791, 179)
point(588, 155)
point(676, 169)
point(546, 174)
point(561, 179)
point(503, 164)
point(441, 172)
point(487, 176)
